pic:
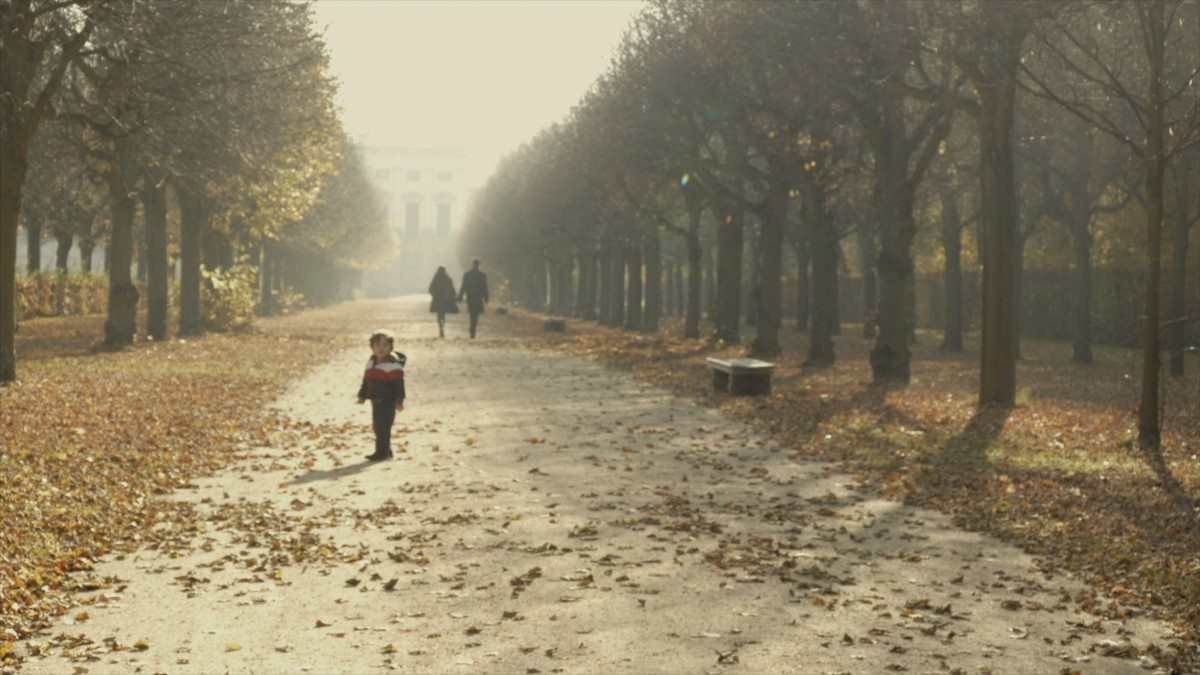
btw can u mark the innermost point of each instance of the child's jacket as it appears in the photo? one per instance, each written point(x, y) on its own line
point(384, 379)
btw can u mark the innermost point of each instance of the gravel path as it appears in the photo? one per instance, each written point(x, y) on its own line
point(549, 515)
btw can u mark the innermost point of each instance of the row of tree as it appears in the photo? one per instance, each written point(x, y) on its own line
point(208, 130)
point(850, 133)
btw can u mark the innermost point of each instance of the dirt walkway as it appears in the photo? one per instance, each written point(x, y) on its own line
point(548, 515)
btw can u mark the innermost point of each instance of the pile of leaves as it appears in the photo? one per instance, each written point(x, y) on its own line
point(58, 294)
point(89, 439)
point(1060, 474)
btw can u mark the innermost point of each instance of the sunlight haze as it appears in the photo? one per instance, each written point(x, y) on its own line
point(482, 77)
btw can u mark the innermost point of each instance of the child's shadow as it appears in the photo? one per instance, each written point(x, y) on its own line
point(331, 474)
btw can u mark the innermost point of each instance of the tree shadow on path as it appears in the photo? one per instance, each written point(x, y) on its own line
point(969, 447)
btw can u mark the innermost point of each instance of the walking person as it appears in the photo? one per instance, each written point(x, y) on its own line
point(383, 383)
point(443, 298)
point(474, 288)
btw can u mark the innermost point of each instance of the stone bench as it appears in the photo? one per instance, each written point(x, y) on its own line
point(741, 377)
point(554, 326)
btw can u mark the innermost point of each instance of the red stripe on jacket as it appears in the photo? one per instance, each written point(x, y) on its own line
point(380, 375)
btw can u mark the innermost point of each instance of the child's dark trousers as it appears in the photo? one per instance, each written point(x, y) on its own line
point(383, 415)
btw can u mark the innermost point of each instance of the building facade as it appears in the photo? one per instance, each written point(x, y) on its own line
point(426, 193)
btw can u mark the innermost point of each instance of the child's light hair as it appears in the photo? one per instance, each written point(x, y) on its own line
point(381, 335)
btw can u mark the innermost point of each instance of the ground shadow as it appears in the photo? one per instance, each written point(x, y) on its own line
point(330, 474)
point(968, 448)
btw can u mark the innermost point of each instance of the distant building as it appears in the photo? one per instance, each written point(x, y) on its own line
point(425, 192)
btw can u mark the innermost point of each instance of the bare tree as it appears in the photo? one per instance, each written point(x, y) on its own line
point(1151, 104)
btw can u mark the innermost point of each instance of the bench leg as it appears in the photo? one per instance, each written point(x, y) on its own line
point(750, 385)
point(720, 381)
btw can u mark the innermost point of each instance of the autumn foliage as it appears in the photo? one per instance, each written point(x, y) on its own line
point(87, 441)
point(55, 294)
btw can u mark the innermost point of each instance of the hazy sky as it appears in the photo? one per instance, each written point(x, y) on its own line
point(482, 75)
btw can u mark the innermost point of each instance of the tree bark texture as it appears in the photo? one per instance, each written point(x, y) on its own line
point(652, 254)
point(154, 204)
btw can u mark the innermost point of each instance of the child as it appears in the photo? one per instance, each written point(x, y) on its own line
point(383, 383)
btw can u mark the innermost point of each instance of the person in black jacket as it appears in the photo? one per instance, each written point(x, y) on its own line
point(383, 383)
point(474, 289)
point(442, 290)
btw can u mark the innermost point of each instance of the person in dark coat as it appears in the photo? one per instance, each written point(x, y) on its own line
point(474, 288)
point(442, 291)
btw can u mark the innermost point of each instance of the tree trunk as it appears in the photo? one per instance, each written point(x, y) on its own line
point(566, 271)
point(139, 256)
point(569, 286)
point(680, 295)
point(633, 306)
point(33, 246)
point(870, 290)
point(266, 278)
point(730, 245)
point(277, 285)
point(836, 308)
point(695, 262)
point(606, 286)
point(952, 331)
point(217, 249)
point(617, 295)
point(770, 295)
point(558, 289)
point(582, 288)
point(891, 358)
point(1081, 248)
point(121, 325)
point(803, 288)
point(711, 293)
point(12, 177)
point(1178, 315)
point(596, 289)
point(823, 249)
point(910, 309)
point(63, 240)
point(669, 306)
point(563, 270)
point(554, 277)
point(154, 204)
point(87, 246)
point(540, 286)
point(1018, 293)
point(193, 221)
point(652, 253)
point(1149, 422)
point(753, 271)
point(998, 216)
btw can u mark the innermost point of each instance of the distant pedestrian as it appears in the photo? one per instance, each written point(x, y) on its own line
point(383, 383)
point(443, 298)
point(475, 289)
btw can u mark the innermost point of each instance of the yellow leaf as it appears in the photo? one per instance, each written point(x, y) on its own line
point(233, 647)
